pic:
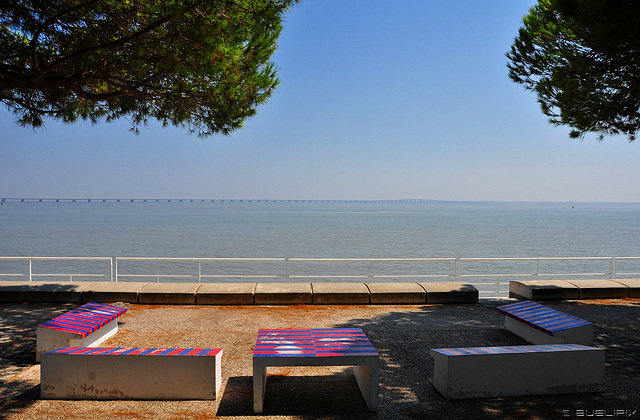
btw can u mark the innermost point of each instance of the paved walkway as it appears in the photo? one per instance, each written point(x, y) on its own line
point(402, 334)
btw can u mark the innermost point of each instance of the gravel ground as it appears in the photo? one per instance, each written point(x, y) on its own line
point(402, 335)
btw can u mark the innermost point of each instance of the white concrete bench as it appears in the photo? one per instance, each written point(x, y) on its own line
point(87, 326)
point(539, 324)
point(103, 373)
point(316, 347)
point(487, 372)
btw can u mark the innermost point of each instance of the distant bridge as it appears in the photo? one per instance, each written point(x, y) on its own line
point(211, 200)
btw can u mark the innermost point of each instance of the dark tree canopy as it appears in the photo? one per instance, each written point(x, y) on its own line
point(582, 58)
point(203, 64)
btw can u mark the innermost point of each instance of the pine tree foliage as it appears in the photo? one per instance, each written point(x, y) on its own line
point(582, 59)
point(203, 65)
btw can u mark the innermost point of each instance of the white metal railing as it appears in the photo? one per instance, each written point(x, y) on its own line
point(200, 275)
point(370, 272)
point(31, 274)
point(496, 279)
point(617, 273)
point(490, 275)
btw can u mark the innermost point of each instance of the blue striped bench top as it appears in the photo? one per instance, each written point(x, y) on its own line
point(135, 351)
point(470, 351)
point(320, 342)
point(86, 319)
point(541, 317)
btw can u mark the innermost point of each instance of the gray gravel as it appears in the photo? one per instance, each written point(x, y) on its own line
point(402, 334)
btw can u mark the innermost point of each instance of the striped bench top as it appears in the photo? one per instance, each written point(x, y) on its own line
point(321, 342)
point(470, 351)
point(541, 317)
point(134, 351)
point(86, 319)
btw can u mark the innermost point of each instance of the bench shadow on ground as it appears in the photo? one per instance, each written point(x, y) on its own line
point(324, 396)
point(404, 339)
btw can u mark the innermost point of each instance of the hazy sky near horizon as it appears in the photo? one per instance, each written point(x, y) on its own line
point(378, 100)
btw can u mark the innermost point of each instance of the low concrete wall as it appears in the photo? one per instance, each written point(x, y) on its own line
point(574, 289)
point(240, 293)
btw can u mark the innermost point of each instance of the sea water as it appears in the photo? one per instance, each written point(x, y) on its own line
point(330, 230)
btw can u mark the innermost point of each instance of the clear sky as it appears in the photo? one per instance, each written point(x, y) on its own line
point(378, 100)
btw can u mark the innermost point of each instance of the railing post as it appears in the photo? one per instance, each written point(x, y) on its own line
point(111, 273)
point(199, 271)
point(287, 274)
point(30, 275)
point(116, 269)
point(611, 268)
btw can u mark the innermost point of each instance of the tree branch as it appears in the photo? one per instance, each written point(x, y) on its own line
point(111, 44)
point(46, 24)
point(23, 104)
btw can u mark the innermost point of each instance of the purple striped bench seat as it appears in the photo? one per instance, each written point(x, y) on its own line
point(316, 347)
point(487, 372)
point(131, 373)
point(89, 325)
point(540, 324)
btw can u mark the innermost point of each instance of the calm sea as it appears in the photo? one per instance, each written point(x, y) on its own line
point(318, 230)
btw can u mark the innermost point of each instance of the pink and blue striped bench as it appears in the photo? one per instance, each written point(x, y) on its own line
point(539, 324)
point(316, 347)
point(487, 372)
point(87, 326)
point(131, 373)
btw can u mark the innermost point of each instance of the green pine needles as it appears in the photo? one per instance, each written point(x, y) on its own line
point(202, 65)
point(582, 59)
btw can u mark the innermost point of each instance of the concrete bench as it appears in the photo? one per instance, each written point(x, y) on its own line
point(487, 372)
point(317, 347)
point(103, 373)
point(87, 326)
point(539, 324)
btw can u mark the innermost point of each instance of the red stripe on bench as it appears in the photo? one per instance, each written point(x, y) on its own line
point(86, 319)
point(134, 351)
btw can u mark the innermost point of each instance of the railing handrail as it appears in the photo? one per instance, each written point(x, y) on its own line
point(195, 259)
point(540, 258)
point(58, 258)
point(372, 259)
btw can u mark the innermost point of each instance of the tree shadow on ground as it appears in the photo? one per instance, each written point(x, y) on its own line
point(404, 339)
point(18, 352)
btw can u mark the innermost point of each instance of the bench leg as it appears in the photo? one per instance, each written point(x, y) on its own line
point(367, 377)
point(259, 385)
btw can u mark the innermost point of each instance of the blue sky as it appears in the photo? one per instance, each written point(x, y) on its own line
point(378, 100)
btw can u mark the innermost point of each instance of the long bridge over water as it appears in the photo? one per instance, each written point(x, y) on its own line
point(212, 200)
